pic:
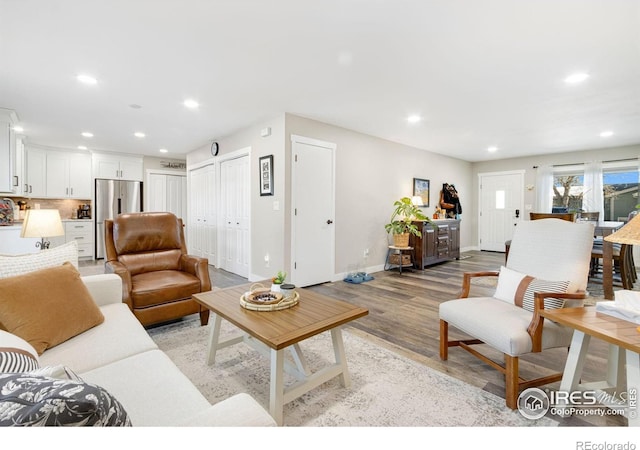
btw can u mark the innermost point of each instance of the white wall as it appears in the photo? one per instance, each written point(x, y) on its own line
point(527, 164)
point(371, 173)
point(267, 225)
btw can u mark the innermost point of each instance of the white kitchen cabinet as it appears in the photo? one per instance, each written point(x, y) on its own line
point(35, 172)
point(7, 158)
point(117, 167)
point(19, 174)
point(80, 231)
point(68, 175)
point(12, 244)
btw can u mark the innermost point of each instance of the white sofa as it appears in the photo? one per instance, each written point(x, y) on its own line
point(121, 357)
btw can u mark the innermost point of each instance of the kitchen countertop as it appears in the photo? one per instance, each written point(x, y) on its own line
point(18, 223)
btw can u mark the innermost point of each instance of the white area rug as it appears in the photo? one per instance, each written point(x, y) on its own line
point(387, 390)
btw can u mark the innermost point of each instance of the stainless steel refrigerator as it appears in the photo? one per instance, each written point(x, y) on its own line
point(114, 197)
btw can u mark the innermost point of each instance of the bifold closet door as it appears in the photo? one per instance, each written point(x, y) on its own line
point(235, 208)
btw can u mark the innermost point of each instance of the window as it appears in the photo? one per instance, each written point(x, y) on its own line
point(568, 188)
point(620, 182)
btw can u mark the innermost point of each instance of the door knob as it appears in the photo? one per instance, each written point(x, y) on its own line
point(329, 222)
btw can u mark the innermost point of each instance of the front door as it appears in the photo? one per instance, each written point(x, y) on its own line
point(501, 208)
point(313, 238)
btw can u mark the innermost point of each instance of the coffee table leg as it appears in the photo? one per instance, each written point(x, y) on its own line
point(341, 359)
point(214, 338)
point(276, 388)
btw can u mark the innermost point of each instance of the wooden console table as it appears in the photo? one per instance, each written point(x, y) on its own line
point(439, 241)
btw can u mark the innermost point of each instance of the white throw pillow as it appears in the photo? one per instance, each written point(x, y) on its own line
point(508, 282)
point(16, 354)
point(12, 265)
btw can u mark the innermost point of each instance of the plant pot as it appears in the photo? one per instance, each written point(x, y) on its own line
point(275, 287)
point(401, 240)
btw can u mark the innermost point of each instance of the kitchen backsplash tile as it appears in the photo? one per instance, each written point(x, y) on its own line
point(68, 207)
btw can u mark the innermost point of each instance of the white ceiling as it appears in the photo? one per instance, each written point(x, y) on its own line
point(478, 72)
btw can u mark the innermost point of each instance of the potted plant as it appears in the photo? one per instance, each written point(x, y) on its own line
point(277, 281)
point(401, 222)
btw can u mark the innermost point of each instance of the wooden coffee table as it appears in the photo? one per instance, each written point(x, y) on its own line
point(274, 331)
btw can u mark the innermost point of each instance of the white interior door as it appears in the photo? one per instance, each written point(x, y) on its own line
point(313, 200)
point(201, 226)
point(234, 208)
point(501, 208)
point(155, 193)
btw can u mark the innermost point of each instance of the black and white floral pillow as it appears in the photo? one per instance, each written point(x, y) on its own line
point(31, 399)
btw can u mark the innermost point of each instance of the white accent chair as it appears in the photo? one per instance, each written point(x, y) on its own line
point(547, 249)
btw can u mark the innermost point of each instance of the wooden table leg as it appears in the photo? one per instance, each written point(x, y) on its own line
point(574, 365)
point(341, 359)
point(276, 386)
point(214, 338)
point(607, 268)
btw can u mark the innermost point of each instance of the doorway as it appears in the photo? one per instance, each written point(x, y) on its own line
point(313, 211)
point(501, 208)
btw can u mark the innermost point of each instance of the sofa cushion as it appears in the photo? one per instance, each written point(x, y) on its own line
point(151, 388)
point(34, 400)
point(162, 286)
point(48, 306)
point(16, 354)
point(118, 337)
point(240, 410)
point(12, 265)
point(504, 327)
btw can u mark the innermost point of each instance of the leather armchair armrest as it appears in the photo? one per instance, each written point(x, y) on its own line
point(535, 326)
point(466, 281)
point(121, 270)
point(198, 267)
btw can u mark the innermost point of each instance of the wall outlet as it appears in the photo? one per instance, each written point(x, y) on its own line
point(266, 260)
point(366, 253)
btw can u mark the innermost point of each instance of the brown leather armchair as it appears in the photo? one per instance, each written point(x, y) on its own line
point(148, 251)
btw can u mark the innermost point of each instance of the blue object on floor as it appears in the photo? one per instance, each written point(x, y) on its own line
point(357, 278)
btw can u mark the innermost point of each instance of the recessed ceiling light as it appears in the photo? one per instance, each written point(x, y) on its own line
point(606, 134)
point(492, 149)
point(87, 134)
point(139, 134)
point(82, 147)
point(163, 150)
point(576, 78)
point(18, 129)
point(86, 79)
point(414, 119)
point(190, 103)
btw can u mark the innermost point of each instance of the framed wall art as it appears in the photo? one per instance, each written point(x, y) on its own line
point(266, 175)
point(421, 189)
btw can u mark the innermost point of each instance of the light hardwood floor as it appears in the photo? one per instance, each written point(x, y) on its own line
point(403, 316)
